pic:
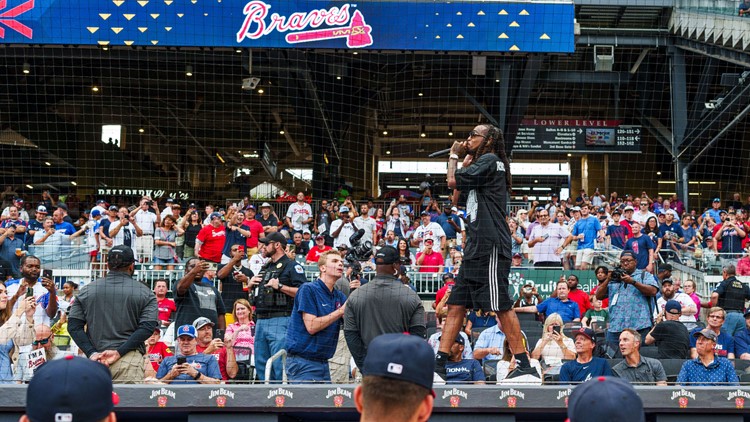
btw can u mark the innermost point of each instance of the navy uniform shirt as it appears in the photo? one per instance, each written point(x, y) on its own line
point(464, 371)
point(573, 371)
point(315, 299)
point(290, 274)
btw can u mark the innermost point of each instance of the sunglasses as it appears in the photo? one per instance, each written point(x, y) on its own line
point(42, 341)
point(474, 133)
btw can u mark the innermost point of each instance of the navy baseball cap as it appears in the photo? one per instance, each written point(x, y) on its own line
point(70, 389)
point(273, 237)
point(214, 215)
point(120, 256)
point(605, 399)
point(386, 255)
point(588, 332)
point(673, 307)
point(401, 357)
point(96, 213)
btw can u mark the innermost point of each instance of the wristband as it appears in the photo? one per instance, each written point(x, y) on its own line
point(197, 376)
point(453, 156)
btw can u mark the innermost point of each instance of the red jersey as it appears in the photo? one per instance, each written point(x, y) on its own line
point(431, 263)
point(255, 229)
point(605, 302)
point(166, 307)
point(581, 298)
point(157, 353)
point(221, 357)
point(213, 242)
point(315, 253)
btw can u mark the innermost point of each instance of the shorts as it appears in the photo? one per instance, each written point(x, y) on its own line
point(585, 256)
point(482, 283)
point(94, 253)
point(158, 260)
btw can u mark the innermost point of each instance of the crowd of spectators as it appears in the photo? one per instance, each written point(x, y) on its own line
point(244, 294)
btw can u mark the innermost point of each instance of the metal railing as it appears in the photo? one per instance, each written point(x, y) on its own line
point(721, 7)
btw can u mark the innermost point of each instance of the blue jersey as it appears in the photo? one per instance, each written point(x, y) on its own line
point(466, 370)
point(315, 299)
point(573, 371)
point(640, 247)
point(589, 227)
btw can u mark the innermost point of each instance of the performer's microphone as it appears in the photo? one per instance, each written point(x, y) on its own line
point(440, 153)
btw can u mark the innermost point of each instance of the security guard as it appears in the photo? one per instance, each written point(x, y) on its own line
point(731, 295)
point(273, 291)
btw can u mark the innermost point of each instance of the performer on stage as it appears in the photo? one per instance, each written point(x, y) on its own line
point(483, 184)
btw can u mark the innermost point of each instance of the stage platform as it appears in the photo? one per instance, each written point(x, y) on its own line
point(268, 403)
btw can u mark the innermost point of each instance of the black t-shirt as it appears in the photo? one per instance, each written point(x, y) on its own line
point(270, 221)
point(105, 226)
point(672, 340)
point(191, 232)
point(324, 219)
point(231, 289)
point(302, 249)
point(200, 300)
point(483, 186)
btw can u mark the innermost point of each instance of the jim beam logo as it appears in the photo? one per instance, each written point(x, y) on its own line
point(564, 394)
point(455, 396)
point(221, 396)
point(739, 397)
point(162, 395)
point(338, 395)
point(280, 395)
point(512, 396)
point(683, 397)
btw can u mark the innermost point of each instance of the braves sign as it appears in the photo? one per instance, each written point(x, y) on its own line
point(341, 23)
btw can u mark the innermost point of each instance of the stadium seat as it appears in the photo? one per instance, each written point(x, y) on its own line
point(650, 352)
point(740, 365)
point(526, 317)
point(672, 368)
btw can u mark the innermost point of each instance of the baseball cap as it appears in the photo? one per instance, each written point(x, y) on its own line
point(386, 255)
point(214, 215)
point(61, 205)
point(200, 322)
point(717, 200)
point(120, 256)
point(169, 200)
point(113, 207)
point(629, 208)
point(401, 357)
point(265, 204)
point(459, 339)
point(448, 276)
point(72, 389)
point(722, 212)
point(588, 332)
point(19, 200)
point(192, 205)
point(424, 213)
point(41, 209)
point(627, 253)
point(601, 209)
point(320, 236)
point(96, 213)
point(673, 307)
point(429, 239)
point(554, 195)
point(273, 237)
point(747, 314)
point(306, 230)
point(605, 399)
point(707, 333)
point(517, 255)
point(187, 330)
point(665, 267)
point(250, 207)
point(667, 280)
point(617, 211)
point(343, 209)
point(100, 201)
point(454, 209)
point(522, 212)
point(576, 208)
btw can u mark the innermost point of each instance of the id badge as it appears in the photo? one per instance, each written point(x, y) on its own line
point(613, 302)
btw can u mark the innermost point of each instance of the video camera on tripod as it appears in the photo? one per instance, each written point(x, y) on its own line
point(357, 252)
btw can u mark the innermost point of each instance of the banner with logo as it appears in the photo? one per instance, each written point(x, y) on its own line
point(385, 25)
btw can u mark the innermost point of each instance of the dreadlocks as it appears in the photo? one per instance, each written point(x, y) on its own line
point(495, 143)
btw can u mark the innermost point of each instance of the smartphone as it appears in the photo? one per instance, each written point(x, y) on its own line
point(181, 360)
point(47, 274)
point(557, 329)
point(292, 248)
point(212, 266)
point(545, 236)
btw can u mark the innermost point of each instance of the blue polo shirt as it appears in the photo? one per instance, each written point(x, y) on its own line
point(568, 310)
point(466, 370)
point(67, 228)
point(315, 299)
point(205, 364)
point(718, 372)
point(741, 343)
point(443, 219)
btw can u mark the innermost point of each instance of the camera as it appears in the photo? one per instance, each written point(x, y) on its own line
point(150, 203)
point(358, 252)
point(616, 274)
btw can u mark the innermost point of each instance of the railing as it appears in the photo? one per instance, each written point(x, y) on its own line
point(721, 7)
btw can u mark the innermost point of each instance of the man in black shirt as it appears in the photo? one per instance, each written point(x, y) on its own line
point(731, 295)
point(671, 336)
point(235, 280)
point(483, 183)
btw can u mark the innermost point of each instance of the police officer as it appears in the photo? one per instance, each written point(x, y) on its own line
point(273, 291)
point(731, 295)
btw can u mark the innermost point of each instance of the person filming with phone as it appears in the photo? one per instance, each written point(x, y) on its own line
point(189, 366)
point(546, 239)
point(196, 296)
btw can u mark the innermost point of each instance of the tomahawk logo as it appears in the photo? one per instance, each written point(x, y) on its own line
point(7, 18)
point(342, 25)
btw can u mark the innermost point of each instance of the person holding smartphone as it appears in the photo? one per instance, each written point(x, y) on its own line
point(189, 367)
point(31, 284)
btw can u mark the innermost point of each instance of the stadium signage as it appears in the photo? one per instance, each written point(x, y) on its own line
point(153, 193)
point(577, 135)
point(443, 25)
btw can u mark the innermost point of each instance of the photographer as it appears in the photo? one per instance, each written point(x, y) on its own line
point(343, 228)
point(631, 304)
point(125, 230)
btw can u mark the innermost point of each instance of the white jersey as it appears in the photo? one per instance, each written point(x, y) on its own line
point(431, 231)
point(299, 214)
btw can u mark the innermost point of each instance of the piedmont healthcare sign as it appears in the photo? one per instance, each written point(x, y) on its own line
point(423, 26)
